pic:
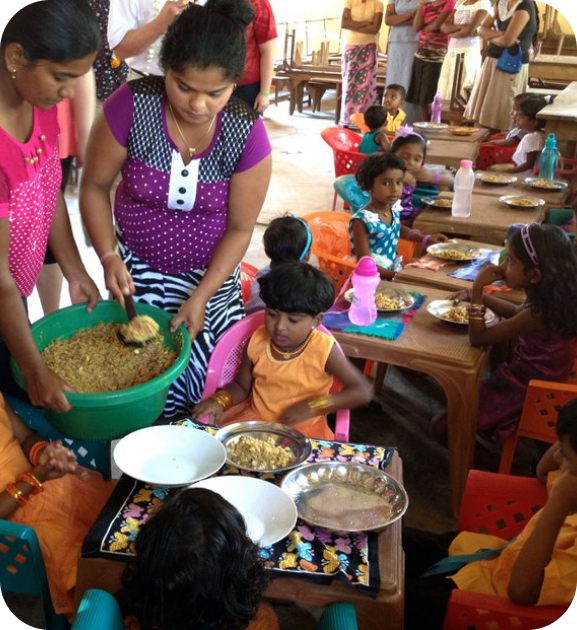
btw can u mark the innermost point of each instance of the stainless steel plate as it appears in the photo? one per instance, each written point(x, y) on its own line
point(441, 309)
point(439, 203)
point(447, 251)
point(431, 127)
point(346, 496)
point(280, 434)
point(545, 184)
point(497, 179)
point(521, 202)
point(405, 300)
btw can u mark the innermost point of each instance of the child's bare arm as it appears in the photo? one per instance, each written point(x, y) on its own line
point(527, 165)
point(548, 462)
point(506, 142)
point(529, 569)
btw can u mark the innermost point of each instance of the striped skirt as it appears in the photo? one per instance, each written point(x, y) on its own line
point(169, 292)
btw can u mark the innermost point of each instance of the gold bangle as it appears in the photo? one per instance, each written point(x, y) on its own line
point(223, 398)
point(32, 481)
point(14, 491)
point(321, 404)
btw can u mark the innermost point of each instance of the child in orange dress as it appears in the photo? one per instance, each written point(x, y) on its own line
point(42, 487)
point(288, 365)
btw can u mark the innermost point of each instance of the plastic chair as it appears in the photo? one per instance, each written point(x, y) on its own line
point(247, 275)
point(226, 357)
point(345, 145)
point(94, 455)
point(22, 569)
point(499, 505)
point(494, 154)
point(332, 245)
point(98, 610)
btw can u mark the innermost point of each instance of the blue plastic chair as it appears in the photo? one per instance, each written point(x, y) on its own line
point(94, 455)
point(98, 610)
point(22, 569)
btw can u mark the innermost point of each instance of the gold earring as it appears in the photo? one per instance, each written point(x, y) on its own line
point(13, 75)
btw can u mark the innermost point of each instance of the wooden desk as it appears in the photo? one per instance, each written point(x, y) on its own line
point(105, 572)
point(553, 198)
point(443, 351)
point(561, 116)
point(553, 67)
point(441, 279)
point(489, 221)
point(451, 152)
point(475, 138)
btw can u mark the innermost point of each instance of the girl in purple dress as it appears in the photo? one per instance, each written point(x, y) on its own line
point(541, 260)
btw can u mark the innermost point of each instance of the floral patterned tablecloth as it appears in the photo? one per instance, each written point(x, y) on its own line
point(307, 551)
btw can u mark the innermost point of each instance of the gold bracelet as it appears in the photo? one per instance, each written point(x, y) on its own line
point(32, 481)
point(321, 404)
point(14, 491)
point(223, 398)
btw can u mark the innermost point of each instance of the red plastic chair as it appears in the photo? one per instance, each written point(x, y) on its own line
point(226, 357)
point(490, 154)
point(247, 275)
point(345, 145)
point(499, 505)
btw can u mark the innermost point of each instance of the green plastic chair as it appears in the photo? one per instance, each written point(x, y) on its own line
point(98, 610)
point(22, 569)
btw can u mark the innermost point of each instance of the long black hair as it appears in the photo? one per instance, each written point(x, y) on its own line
point(54, 30)
point(195, 567)
point(554, 298)
point(209, 36)
point(376, 164)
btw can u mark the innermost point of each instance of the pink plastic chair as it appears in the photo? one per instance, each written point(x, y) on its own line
point(225, 361)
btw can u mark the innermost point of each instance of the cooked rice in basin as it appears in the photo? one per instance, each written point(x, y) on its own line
point(94, 360)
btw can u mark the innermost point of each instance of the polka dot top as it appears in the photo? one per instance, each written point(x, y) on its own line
point(383, 238)
point(170, 215)
point(30, 177)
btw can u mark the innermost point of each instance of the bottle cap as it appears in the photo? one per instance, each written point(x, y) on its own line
point(466, 164)
point(366, 267)
point(551, 140)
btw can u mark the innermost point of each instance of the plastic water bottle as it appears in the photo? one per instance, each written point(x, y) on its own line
point(365, 280)
point(437, 108)
point(464, 182)
point(548, 158)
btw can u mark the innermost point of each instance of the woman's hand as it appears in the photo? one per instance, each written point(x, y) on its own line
point(56, 460)
point(191, 314)
point(117, 279)
point(210, 407)
point(46, 389)
point(84, 289)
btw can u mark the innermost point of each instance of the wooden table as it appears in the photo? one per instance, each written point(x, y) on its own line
point(553, 198)
point(489, 221)
point(441, 279)
point(553, 67)
point(105, 572)
point(480, 135)
point(561, 116)
point(443, 351)
point(451, 152)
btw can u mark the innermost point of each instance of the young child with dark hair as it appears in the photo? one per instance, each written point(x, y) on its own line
point(288, 365)
point(375, 139)
point(516, 134)
point(195, 569)
point(286, 239)
point(393, 101)
point(530, 146)
point(536, 568)
point(375, 229)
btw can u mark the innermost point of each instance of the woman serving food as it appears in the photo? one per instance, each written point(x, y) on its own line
point(195, 166)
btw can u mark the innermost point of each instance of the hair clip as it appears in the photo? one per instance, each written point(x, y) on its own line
point(309, 237)
point(528, 243)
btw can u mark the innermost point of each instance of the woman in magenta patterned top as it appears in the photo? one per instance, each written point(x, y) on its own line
point(195, 166)
point(45, 47)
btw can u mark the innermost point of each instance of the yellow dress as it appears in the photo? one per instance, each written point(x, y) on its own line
point(491, 577)
point(61, 515)
point(280, 384)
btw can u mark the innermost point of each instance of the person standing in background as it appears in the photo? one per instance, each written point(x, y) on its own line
point(135, 31)
point(362, 21)
point(261, 35)
point(401, 49)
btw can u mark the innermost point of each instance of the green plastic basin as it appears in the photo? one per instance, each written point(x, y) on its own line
point(112, 415)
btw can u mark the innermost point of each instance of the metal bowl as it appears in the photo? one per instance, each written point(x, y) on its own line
point(438, 203)
point(261, 430)
point(463, 131)
point(545, 184)
point(430, 127)
point(345, 496)
point(441, 308)
point(444, 251)
point(497, 179)
point(404, 299)
point(522, 202)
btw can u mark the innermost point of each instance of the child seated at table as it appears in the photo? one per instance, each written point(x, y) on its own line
point(195, 567)
point(375, 139)
point(536, 568)
point(288, 365)
point(394, 116)
point(411, 147)
point(529, 148)
point(375, 229)
point(42, 487)
point(286, 239)
point(516, 134)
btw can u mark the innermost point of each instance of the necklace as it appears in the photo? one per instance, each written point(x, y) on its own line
point(191, 150)
point(287, 354)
